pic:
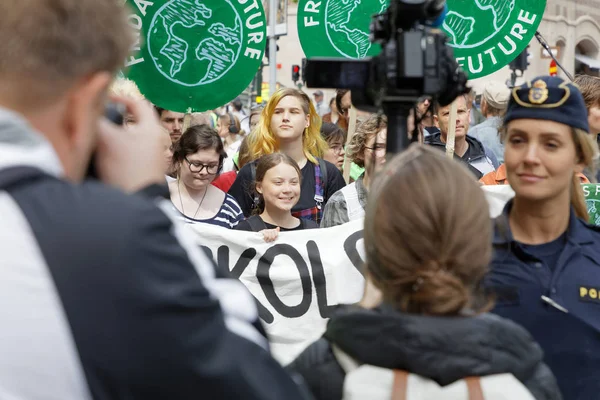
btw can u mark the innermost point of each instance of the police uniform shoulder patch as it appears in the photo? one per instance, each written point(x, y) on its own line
point(538, 93)
point(589, 294)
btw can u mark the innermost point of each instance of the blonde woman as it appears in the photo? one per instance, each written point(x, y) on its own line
point(290, 124)
point(546, 267)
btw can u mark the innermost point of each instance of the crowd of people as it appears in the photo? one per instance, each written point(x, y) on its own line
point(105, 297)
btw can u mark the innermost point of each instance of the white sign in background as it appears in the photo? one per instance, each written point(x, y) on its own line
point(296, 280)
point(497, 197)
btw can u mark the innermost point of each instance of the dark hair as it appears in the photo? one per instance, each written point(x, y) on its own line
point(237, 104)
point(338, 99)
point(264, 164)
point(159, 111)
point(331, 132)
point(196, 138)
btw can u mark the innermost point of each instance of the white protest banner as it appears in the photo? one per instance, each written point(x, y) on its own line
point(297, 280)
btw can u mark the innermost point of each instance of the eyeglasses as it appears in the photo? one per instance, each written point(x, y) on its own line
point(197, 167)
point(378, 148)
point(338, 148)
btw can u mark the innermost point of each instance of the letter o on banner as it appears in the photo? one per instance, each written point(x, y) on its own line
point(266, 284)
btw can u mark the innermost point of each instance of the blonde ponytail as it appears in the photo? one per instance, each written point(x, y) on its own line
point(578, 199)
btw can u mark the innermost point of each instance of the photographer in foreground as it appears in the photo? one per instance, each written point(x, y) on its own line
point(102, 296)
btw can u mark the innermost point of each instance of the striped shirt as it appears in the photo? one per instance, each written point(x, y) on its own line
point(228, 216)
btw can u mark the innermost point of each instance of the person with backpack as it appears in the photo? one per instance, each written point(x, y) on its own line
point(545, 272)
point(289, 124)
point(278, 181)
point(428, 246)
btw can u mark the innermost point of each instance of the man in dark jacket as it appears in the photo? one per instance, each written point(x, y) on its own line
point(466, 148)
point(102, 295)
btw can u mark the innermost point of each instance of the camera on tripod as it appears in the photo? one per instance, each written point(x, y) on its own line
point(414, 61)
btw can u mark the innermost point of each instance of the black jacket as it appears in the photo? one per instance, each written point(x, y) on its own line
point(106, 299)
point(444, 349)
point(476, 157)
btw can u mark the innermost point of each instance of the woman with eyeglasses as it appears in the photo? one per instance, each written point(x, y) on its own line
point(367, 150)
point(198, 159)
point(336, 140)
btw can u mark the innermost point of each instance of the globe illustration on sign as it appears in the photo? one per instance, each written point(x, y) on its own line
point(486, 18)
point(593, 211)
point(347, 25)
point(190, 49)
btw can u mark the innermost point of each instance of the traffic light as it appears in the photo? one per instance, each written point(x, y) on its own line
point(295, 73)
point(521, 62)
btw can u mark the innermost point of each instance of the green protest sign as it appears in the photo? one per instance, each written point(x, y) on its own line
point(195, 54)
point(486, 35)
point(592, 199)
point(338, 28)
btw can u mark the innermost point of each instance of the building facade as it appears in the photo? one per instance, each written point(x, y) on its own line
point(573, 27)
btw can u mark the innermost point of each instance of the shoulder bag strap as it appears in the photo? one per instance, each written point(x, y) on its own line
point(474, 388)
point(15, 176)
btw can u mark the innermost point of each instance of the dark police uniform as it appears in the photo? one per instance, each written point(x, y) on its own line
point(553, 289)
point(557, 299)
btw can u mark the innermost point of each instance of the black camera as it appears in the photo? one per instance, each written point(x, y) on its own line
point(414, 61)
point(115, 113)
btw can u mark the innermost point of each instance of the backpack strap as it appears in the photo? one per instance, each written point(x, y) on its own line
point(474, 388)
point(323, 167)
point(320, 182)
point(256, 223)
point(253, 193)
point(400, 385)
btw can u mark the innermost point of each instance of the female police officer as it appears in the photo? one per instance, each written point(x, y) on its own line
point(546, 267)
